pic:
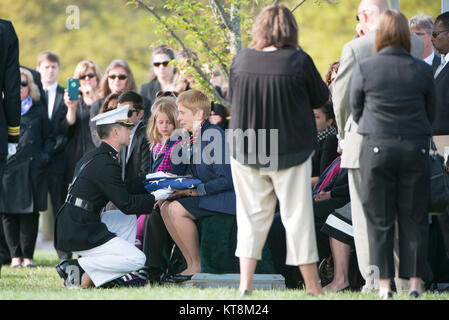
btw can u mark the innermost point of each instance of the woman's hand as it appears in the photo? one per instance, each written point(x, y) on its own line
point(158, 204)
point(323, 195)
point(72, 105)
point(171, 174)
point(185, 193)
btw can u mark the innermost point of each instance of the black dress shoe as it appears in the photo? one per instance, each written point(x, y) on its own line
point(178, 278)
point(71, 272)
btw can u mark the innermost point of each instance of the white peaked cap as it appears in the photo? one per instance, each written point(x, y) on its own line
point(119, 115)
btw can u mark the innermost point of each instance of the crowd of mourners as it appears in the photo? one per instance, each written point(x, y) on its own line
point(348, 200)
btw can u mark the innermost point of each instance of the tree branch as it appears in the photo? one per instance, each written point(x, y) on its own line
point(221, 11)
point(296, 7)
point(195, 66)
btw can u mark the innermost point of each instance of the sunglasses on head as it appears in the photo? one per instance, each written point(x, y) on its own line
point(119, 76)
point(166, 94)
point(24, 83)
point(157, 64)
point(89, 75)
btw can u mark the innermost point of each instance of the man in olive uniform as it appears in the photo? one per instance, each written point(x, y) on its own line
point(105, 257)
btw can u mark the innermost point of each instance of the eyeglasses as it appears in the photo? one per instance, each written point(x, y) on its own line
point(157, 64)
point(24, 83)
point(130, 112)
point(119, 76)
point(89, 75)
point(437, 33)
point(166, 94)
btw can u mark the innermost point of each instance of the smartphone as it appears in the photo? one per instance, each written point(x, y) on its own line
point(73, 88)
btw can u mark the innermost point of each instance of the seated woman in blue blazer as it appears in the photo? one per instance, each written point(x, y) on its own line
point(205, 159)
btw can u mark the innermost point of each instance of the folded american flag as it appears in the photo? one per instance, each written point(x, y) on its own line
point(173, 183)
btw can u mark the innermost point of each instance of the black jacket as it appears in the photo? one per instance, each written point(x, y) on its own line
point(440, 124)
point(138, 163)
point(34, 151)
point(393, 93)
point(148, 90)
point(9, 87)
point(77, 229)
point(79, 138)
point(325, 153)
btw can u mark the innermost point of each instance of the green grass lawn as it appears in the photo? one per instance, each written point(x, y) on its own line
point(43, 283)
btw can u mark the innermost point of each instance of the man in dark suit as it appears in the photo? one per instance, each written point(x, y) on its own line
point(440, 126)
point(9, 104)
point(422, 26)
point(135, 158)
point(105, 256)
point(48, 67)
point(440, 39)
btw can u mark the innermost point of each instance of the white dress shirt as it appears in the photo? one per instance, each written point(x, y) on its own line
point(429, 58)
point(444, 60)
point(51, 97)
point(128, 153)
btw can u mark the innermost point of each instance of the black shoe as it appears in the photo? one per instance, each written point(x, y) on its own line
point(414, 294)
point(71, 272)
point(178, 278)
point(131, 279)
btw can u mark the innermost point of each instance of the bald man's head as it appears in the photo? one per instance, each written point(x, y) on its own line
point(369, 12)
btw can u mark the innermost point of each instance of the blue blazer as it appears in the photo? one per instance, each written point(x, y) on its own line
point(216, 176)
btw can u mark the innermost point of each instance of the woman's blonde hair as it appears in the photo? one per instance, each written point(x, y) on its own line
point(83, 66)
point(393, 30)
point(195, 100)
point(274, 26)
point(170, 111)
point(130, 82)
point(33, 88)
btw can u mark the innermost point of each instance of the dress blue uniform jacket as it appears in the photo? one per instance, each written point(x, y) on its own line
point(214, 173)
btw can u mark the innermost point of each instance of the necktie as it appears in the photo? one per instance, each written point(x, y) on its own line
point(441, 66)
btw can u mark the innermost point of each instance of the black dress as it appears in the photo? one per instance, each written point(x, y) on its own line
point(79, 138)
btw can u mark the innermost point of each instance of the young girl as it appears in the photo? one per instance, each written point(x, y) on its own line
point(327, 140)
point(161, 125)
